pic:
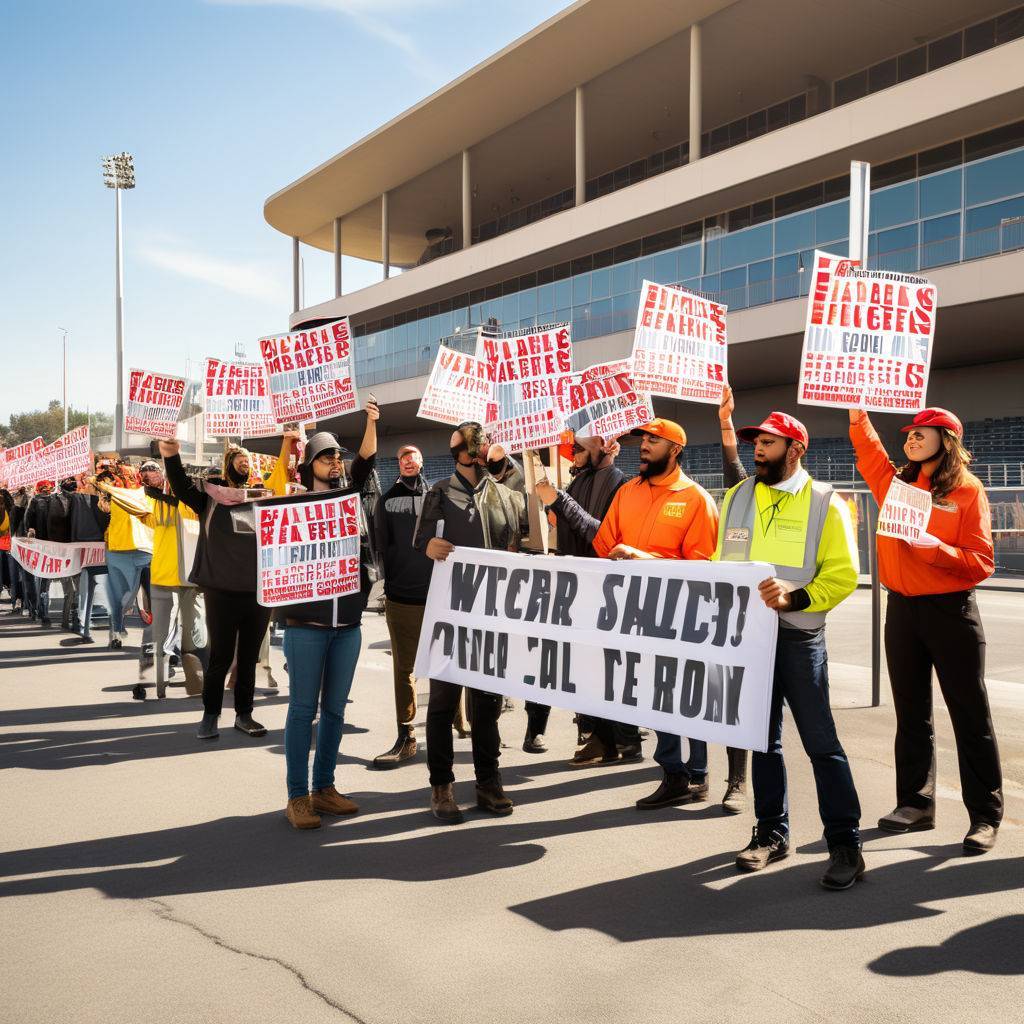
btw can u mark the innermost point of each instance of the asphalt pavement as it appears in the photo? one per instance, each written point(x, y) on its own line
point(145, 876)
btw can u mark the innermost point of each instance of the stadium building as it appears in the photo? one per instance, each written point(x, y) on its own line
point(704, 143)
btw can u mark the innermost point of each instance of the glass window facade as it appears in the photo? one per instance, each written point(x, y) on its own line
point(961, 213)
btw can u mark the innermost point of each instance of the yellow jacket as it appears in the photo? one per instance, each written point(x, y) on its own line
point(169, 567)
point(127, 532)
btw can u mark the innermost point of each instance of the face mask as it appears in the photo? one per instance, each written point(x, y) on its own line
point(234, 477)
point(458, 450)
point(495, 467)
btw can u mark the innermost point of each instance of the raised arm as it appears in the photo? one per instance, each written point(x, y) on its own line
point(873, 462)
point(181, 486)
point(732, 468)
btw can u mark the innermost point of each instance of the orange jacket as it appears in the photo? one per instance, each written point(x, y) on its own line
point(675, 518)
point(961, 522)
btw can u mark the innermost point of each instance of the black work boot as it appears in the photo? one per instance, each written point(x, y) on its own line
point(846, 866)
point(491, 797)
point(762, 850)
point(674, 791)
point(247, 724)
point(403, 750)
point(208, 728)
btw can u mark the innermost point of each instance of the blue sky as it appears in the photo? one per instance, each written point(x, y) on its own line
point(221, 103)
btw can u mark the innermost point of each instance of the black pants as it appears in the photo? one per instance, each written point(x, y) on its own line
point(944, 632)
point(232, 617)
point(483, 709)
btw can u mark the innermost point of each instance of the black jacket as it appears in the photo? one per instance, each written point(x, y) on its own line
point(491, 516)
point(406, 570)
point(581, 507)
point(36, 516)
point(87, 521)
point(336, 611)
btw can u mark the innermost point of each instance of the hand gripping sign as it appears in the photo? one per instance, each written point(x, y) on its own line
point(685, 647)
point(868, 338)
point(307, 548)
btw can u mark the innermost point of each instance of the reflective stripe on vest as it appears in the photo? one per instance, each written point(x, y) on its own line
point(737, 530)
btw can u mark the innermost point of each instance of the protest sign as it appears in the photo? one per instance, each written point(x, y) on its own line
point(459, 389)
point(69, 455)
point(154, 402)
point(237, 400)
point(685, 647)
point(307, 548)
point(50, 560)
point(868, 339)
point(602, 401)
point(22, 465)
point(311, 373)
point(905, 512)
point(679, 347)
point(528, 373)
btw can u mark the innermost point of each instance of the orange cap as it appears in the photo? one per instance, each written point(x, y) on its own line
point(668, 429)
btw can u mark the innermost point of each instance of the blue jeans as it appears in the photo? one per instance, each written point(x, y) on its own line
point(86, 593)
point(124, 575)
point(669, 754)
point(801, 678)
point(321, 664)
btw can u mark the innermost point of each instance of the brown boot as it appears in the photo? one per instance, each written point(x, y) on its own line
point(491, 797)
point(403, 750)
point(443, 805)
point(301, 814)
point(330, 801)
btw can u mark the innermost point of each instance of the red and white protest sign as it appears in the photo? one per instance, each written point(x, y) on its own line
point(529, 373)
point(154, 403)
point(905, 512)
point(679, 348)
point(307, 548)
point(22, 465)
point(868, 340)
point(459, 389)
point(69, 455)
point(311, 373)
point(237, 400)
point(602, 401)
point(50, 560)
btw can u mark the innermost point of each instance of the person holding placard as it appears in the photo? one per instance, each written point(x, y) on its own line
point(932, 622)
point(783, 517)
point(322, 639)
point(469, 509)
point(662, 513)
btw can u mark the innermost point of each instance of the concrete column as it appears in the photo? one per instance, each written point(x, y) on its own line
point(467, 201)
point(860, 210)
point(385, 248)
point(581, 150)
point(337, 257)
point(695, 91)
point(295, 275)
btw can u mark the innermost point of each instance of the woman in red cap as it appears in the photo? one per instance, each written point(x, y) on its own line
point(932, 621)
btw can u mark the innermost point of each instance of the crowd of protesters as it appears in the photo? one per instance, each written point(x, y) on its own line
point(183, 549)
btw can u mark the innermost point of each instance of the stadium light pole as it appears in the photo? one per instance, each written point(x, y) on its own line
point(64, 331)
point(118, 174)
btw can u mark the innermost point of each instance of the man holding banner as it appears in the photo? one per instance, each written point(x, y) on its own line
point(663, 514)
point(783, 517)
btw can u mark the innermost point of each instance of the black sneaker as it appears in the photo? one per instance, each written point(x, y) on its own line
point(248, 725)
point(115, 643)
point(138, 692)
point(846, 866)
point(630, 753)
point(674, 791)
point(762, 850)
point(535, 744)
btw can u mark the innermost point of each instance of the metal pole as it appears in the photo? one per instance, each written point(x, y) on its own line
point(337, 257)
point(119, 317)
point(860, 210)
point(695, 91)
point(467, 201)
point(581, 149)
point(385, 249)
point(295, 274)
point(64, 331)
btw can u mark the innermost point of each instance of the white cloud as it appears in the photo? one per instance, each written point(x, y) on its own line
point(366, 14)
point(250, 280)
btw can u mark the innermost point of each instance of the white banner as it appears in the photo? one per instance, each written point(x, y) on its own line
point(459, 389)
point(154, 403)
point(311, 373)
point(868, 339)
point(602, 401)
point(50, 560)
point(681, 647)
point(21, 464)
point(236, 400)
point(905, 512)
point(679, 348)
point(68, 456)
point(307, 548)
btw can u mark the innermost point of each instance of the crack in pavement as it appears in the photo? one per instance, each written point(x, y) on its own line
point(166, 913)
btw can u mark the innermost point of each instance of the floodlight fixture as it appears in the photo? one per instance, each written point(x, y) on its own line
point(119, 171)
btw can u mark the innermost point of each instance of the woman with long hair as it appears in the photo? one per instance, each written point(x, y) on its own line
point(932, 622)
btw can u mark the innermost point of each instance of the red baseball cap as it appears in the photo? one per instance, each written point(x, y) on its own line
point(44, 483)
point(936, 417)
point(780, 424)
point(668, 429)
